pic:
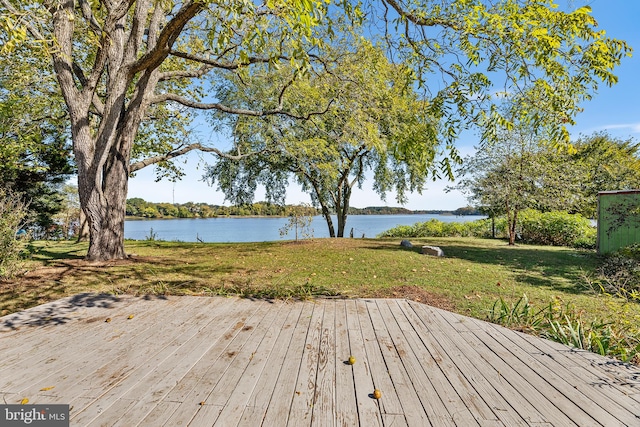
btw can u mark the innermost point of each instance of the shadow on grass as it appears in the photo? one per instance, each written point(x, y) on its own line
point(50, 257)
point(554, 268)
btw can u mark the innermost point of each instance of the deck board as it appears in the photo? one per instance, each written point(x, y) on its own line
point(202, 361)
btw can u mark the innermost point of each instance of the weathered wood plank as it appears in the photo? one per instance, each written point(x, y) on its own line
point(167, 375)
point(434, 409)
point(40, 320)
point(408, 394)
point(368, 409)
point(305, 394)
point(575, 404)
point(432, 368)
point(515, 379)
point(148, 363)
point(278, 410)
point(379, 370)
point(235, 386)
point(602, 408)
point(274, 363)
point(611, 376)
point(457, 373)
point(263, 390)
point(160, 414)
point(65, 368)
point(324, 403)
point(486, 380)
point(210, 342)
point(346, 409)
point(33, 349)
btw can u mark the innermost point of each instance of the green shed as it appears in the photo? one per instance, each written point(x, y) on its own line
point(618, 219)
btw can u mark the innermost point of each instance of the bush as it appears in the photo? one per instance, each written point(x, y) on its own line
point(13, 214)
point(552, 228)
point(556, 229)
point(620, 272)
point(435, 228)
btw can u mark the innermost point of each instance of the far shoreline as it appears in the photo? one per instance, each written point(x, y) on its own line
point(440, 213)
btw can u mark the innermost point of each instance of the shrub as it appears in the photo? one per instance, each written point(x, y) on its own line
point(435, 228)
point(556, 228)
point(552, 228)
point(13, 214)
point(620, 272)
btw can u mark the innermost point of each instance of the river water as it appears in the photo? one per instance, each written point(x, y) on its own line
point(264, 229)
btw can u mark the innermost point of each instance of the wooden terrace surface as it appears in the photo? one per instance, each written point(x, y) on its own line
point(202, 361)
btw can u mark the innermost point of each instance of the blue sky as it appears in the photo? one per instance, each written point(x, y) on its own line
point(613, 109)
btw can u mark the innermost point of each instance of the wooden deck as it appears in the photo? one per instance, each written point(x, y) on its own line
point(203, 361)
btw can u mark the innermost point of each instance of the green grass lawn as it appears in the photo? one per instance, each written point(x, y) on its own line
point(474, 275)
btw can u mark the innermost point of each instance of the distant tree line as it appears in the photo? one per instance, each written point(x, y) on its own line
point(138, 207)
point(388, 210)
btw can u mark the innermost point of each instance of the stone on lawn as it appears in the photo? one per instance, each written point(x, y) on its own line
point(432, 250)
point(406, 244)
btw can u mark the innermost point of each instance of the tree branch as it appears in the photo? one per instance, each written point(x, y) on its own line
point(96, 101)
point(85, 8)
point(419, 20)
point(225, 65)
point(191, 147)
point(167, 37)
point(176, 74)
point(232, 110)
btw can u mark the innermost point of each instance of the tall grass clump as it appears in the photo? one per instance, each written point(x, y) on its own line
point(617, 337)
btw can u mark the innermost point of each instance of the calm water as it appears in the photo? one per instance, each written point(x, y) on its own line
point(243, 229)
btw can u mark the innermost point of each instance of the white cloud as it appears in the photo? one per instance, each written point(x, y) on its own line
point(633, 127)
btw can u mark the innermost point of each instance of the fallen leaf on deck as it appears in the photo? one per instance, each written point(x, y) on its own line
point(24, 401)
point(47, 388)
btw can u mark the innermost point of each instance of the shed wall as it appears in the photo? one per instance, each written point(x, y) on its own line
point(618, 220)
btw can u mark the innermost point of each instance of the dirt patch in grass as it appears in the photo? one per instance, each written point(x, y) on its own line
point(416, 293)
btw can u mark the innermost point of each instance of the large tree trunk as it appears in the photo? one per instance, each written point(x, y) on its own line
point(103, 203)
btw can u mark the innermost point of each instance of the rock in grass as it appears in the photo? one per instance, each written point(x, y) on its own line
point(432, 250)
point(406, 244)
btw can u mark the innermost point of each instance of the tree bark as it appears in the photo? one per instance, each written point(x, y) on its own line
point(327, 216)
point(343, 210)
point(83, 228)
point(512, 222)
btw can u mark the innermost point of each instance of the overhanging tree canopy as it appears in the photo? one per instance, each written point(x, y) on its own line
point(130, 70)
point(35, 152)
point(373, 121)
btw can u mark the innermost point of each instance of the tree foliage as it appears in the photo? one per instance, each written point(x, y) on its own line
point(506, 178)
point(35, 151)
point(132, 72)
point(372, 121)
point(602, 163)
